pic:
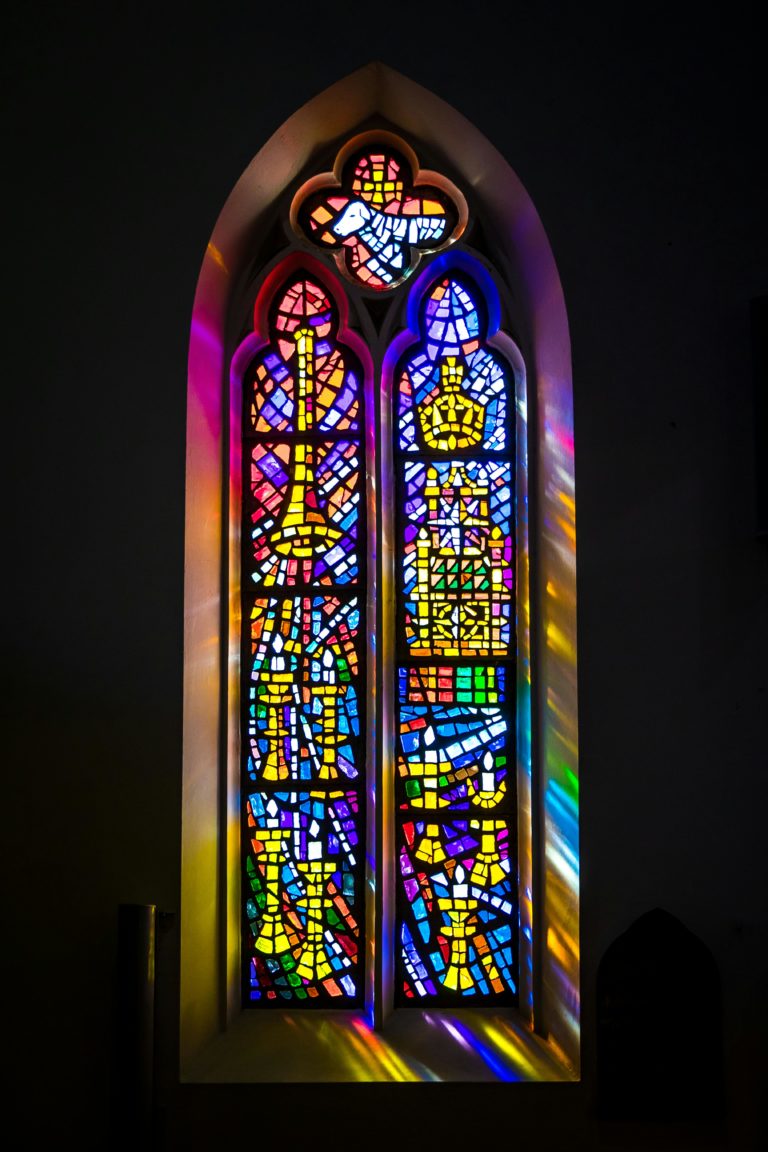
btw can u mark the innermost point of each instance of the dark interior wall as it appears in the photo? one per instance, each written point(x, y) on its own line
point(639, 135)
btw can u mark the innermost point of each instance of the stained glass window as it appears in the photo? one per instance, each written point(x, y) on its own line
point(304, 572)
point(376, 217)
point(455, 790)
point(321, 395)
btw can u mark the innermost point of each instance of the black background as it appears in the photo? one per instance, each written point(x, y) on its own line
point(639, 133)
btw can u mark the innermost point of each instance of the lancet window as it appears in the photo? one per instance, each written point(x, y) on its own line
point(379, 601)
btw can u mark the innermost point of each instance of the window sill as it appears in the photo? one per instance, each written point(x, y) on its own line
point(339, 1047)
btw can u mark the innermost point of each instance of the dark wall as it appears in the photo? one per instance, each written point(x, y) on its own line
point(639, 134)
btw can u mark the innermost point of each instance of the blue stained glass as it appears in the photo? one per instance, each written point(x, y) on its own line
point(455, 792)
point(302, 518)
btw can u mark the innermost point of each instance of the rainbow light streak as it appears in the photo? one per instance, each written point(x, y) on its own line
point(559, 741)
point(472, 1043)
point(510, 1051)
point(204, 670)
point(533, 1062)
point(206, 356)
point(359, 1053)
point(562, 814)
point(217, 257)
point(390, 1060)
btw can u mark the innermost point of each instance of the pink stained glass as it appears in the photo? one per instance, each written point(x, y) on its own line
point(380, 218)
point(304, 380)
point(302, 734)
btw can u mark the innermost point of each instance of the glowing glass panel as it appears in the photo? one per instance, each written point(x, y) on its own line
point(303, 721)
point(302, 890)
point(379, 217)
point(304, 512)
point(457, 557)
point(453, 390)
point(303, 580)
point(455, 795)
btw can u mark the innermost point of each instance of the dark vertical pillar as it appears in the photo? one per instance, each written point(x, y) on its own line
point(135, 1026)
point(759, 325)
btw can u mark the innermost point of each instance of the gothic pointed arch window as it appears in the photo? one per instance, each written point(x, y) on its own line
point(395, 846)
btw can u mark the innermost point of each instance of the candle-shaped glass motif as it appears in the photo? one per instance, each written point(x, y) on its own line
point(303, 583)
point(454, 463)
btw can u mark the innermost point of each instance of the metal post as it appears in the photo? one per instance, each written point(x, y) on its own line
point(134, 1064)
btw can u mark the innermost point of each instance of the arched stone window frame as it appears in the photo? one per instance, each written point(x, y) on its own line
point(217, 1040)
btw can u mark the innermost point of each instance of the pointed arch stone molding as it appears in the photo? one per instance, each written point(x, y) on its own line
point(216, 1042)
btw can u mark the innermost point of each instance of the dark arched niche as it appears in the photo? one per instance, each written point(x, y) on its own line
point(659, 1026)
